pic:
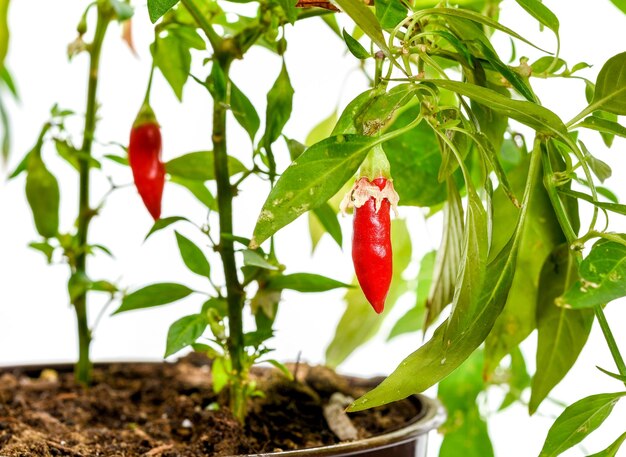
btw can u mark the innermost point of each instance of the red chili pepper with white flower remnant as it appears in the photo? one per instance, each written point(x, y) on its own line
point(372, 197)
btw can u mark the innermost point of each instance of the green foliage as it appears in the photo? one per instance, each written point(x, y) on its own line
point(157, 8)
point(153, 295)
point(198, 166)
point(184, 332)
point(193, 256)
point(304, 282)
point(611, 451)
point(42, 192)
point(578, 421)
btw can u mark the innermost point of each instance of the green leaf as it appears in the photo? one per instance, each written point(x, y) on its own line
point(199, 190)
point(153, 295)
point(535, 116)
point(465, 431)
point(541, 235)
point(160, 224)
point(415, 160)
point(366, 20)
point(254, 259)
point(219, 373)
point(289, 7)
point(322, 130)
point(279, 105)
point(199, 166)
point(413, 320)
point(602, 275)
point(355, 48)
point(610, 92)
point(620, 4)
point(562, 333)
point(577, 421)
point(172, 55)
point(602, 125)
point(449, 257)
point(390, 13)
point(281, 367)
point(117, 159)
point(244, 111)
point(542, 13)
point(157, 8)
point(184, 332)
point(475, 17)
point(44, 247)
point(310, 181)
point(328, 219)
point(304, 282)
point(4, 31)
point(42, 193)
point(611, 451)
point(193, 256)
point(347, 121)
point(359, 323)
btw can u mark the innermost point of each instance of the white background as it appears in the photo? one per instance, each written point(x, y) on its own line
point(36, 323)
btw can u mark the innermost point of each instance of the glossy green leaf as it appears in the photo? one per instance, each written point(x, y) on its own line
point(244, 111)
point(4, 31)
point(322, 130)
point(577, 421)
point(279, 105)
point(355, 48)
point(193, 256)
point(602, 277)
point(541, 66)
point(380, 112)
point(160, 224)
point(415, 160)
point(172, 55)
point(359, 323)
point(310, 181)
point(603, 126)
point(42, 193)
point(199, 190)
point(390, 13)
point(366, 20)
point(449, 257)
point(184, 332)
point(347, 121)
point(611, 451)
point(541, 235)
point(535, 116)
point(304, 282)
point(562, 333)
point(328, 220)
point(619, 377)
point(157, 8)
point(254, 259)
point(45, 248)
point(465, 431)
point(542, 13)
point(413, 319)
point(475, 17)
point(610, 92)
point(281, 367)
point(199, 166)
point(153, 295)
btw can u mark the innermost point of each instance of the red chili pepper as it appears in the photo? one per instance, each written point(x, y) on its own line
point(371, 238)
point(144, 156)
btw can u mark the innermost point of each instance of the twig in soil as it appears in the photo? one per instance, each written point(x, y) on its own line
point(337, 419)
point(158, 450)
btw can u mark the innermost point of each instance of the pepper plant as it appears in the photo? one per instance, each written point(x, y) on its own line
point(451, 126)
point(73, 247)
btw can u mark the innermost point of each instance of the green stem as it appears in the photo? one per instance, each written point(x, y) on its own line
point(571, 237)
point(235, 293)
point(83, 367)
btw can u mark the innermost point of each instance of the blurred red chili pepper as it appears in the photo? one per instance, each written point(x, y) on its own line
point(144, 156)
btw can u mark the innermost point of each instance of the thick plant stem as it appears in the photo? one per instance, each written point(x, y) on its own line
point(83, 367)
point(226, 250)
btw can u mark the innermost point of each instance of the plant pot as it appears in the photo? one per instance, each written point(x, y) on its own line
point(409, 440)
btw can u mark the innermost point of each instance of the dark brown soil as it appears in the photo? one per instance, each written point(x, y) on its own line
point(168, 410)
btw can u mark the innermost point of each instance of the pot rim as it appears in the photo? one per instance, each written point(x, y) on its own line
point(434, 416)
point(431, 417)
